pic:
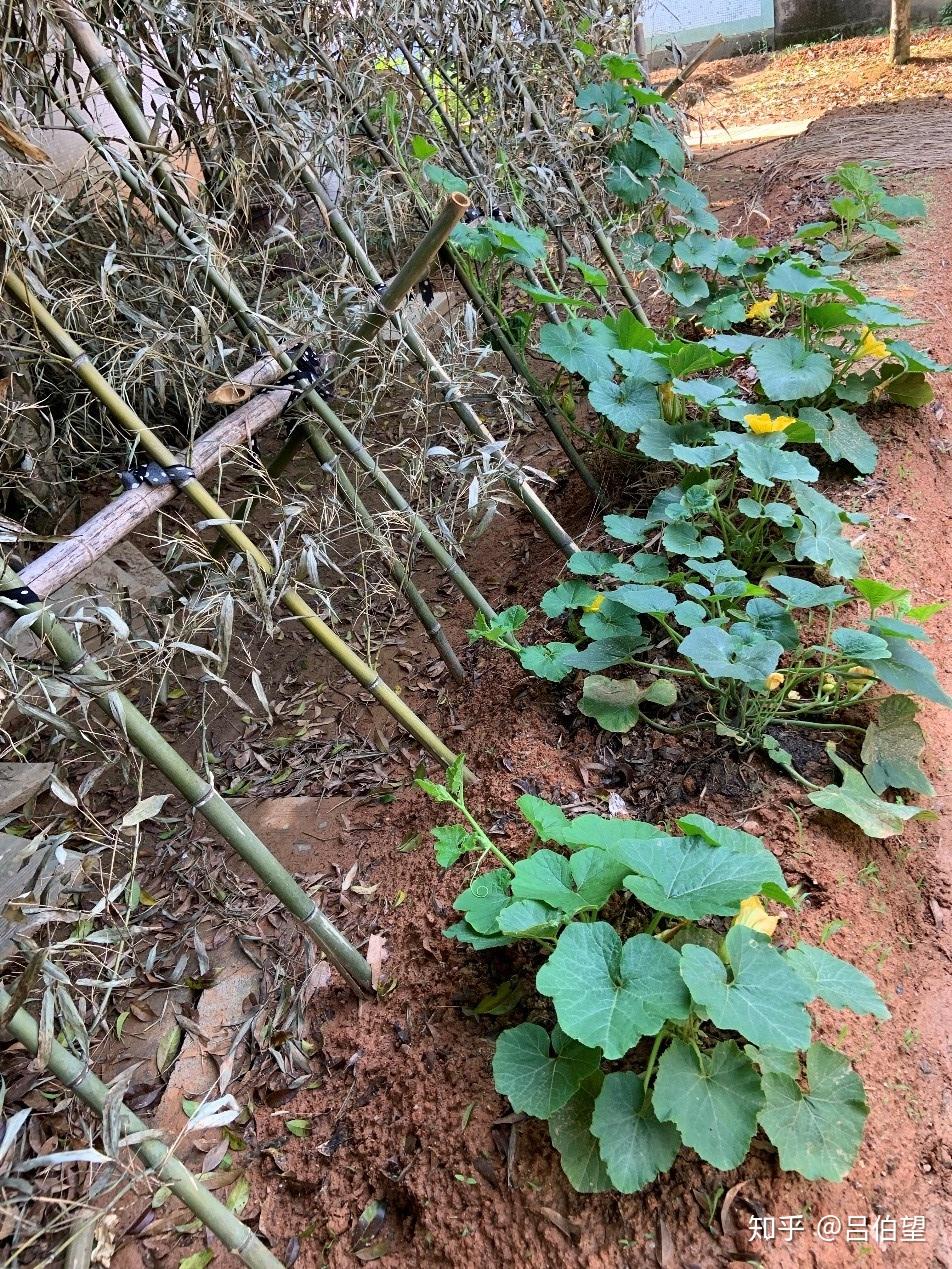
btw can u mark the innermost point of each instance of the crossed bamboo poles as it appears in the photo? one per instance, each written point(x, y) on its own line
point(79, 1079)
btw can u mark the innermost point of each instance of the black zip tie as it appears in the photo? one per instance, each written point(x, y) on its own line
point(308, 374)
point(154, 474)
point(21, 595)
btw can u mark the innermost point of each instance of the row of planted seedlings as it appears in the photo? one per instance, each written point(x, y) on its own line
point(737, 595)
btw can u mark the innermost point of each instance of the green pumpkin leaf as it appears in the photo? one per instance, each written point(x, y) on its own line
point(817, 1132)
point(856, 801)
point(660, 138)
point(535, 1081)
point(546, 876)
point(742, 654)
point(686, 288)
point(892, 747)
point(860, 644)
point(568, 594)
point(764, 997)
point(615, 704)
point(529, 919)
point(596, 875)
point(689, 200)
point(608, 994)
point(629, 404)
point(570, 1130)
point(764, 460)
point(644, 599)
point(789, 371)
point(553, 825)
point(713, 1099)
point(821, 537)
point(463, 932)
point(483, 899)
point(685, 877)
point(774, 622)
point(635, 1146)
point(909, 671)
point(836, 981)
point(610, 621)
point(602, 654)
point(803, 594)
point(909, 389)
point(573, 346)
point(452, 842)
point(548, 660)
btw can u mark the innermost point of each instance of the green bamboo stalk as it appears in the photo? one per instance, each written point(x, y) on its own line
point(598, 231)
point(200, 795)
point(196, 492)
point(155, 1154)
point(475, 295)
point(250, 322)
point(515, 477)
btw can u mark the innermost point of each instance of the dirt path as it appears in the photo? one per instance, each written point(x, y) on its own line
point(406, 1116)
point(809, 80)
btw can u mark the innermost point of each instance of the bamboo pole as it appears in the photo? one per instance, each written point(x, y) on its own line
point(515, 477)
point(155, 1154)
point(201, 796)
point(475, 295)
point(253, 324)
point(688, 69)
point(196, 492)
point(598, 231)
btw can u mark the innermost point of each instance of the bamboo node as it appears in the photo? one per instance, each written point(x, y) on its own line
point(206, 797)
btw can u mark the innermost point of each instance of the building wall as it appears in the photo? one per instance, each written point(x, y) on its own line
point(747, 23)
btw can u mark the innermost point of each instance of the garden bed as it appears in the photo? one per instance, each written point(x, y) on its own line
point(406, 1117)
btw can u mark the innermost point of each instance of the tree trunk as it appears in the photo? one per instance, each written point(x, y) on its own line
point(900, 31)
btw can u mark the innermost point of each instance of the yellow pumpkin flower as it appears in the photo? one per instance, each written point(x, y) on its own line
point(755, 916)
point(829, 683)
point(870, 346)
point(595, 604)
point(762, 310)
point(761, 424)
point(773, 681)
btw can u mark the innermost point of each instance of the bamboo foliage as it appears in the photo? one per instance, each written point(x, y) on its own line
point(69, 1070)
point(91, 679)
point(195, 491)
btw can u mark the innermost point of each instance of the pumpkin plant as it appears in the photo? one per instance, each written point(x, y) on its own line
point(668, 1015)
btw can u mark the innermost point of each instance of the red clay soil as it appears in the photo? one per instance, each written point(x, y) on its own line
point(406, 1115)
point(807, 81)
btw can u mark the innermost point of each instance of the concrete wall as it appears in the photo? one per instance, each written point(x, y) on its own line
point(749, 24)
point(796, 21)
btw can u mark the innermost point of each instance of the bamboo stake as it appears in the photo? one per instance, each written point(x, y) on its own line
point(62, 562)
point(155, 1154)
point(688, 69)
point(598, 231)
point(515, 477)
point(200, 795)
point(475, 295)
point(253, 324)
point(196, 492)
